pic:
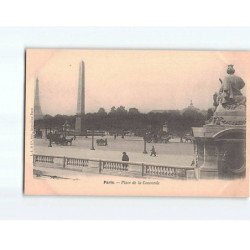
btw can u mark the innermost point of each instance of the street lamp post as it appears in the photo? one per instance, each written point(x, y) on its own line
point(92, 148)
point(50, 141)
point(50, 144)
point(145, 145)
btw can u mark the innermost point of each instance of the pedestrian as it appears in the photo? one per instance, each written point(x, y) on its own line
point(125, 157)
point(153, 152)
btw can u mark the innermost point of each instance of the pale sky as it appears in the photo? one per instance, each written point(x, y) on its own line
point(145, 79)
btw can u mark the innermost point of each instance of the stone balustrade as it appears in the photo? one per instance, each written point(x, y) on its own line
point(133, 169)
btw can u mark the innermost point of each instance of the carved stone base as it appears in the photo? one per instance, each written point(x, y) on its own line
point(221, 151)
point(208, 173)
point(223, 116)
point(79, 126)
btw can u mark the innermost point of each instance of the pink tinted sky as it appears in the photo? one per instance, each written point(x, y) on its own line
point(145, 79)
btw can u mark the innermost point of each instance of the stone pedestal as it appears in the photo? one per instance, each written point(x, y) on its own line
point(209, 167)
point(223, 140)
point(79, 126)
point(220, 146)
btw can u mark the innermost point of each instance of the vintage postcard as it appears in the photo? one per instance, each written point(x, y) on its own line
point(136, 123)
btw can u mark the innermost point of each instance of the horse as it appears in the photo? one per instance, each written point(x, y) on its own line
point(58, 139)
point(38, 134)
point(166, 140)
point(53, 137)
point(67, 141)
point(188, 138)
point(102, 142)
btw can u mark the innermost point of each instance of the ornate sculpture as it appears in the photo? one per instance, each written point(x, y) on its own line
point(229, 99)
point(230, 96)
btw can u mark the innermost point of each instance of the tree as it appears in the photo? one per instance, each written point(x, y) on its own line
point(133, 111)
point(209, 113)
point(193, 118)
point(113, 110)
point(102, 111)
point(121, 110)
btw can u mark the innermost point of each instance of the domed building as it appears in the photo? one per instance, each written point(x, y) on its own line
point(191, 107)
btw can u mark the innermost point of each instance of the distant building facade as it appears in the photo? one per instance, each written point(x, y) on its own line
point(189, 107)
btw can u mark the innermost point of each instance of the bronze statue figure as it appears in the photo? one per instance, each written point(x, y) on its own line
point(230, 96)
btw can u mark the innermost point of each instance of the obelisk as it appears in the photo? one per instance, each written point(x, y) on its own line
point(37, 107)
point(79, 126)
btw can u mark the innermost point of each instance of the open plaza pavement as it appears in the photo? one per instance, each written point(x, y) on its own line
point(172, 153)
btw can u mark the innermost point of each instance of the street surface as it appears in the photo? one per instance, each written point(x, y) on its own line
point(172, 153)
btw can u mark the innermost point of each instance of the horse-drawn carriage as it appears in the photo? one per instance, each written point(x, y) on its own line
point(187, 138)
point(38, 134)
point(102, 142)
point(160, 137)
point(60, 139)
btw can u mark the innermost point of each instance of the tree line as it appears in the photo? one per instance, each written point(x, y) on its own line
point(119, 120)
